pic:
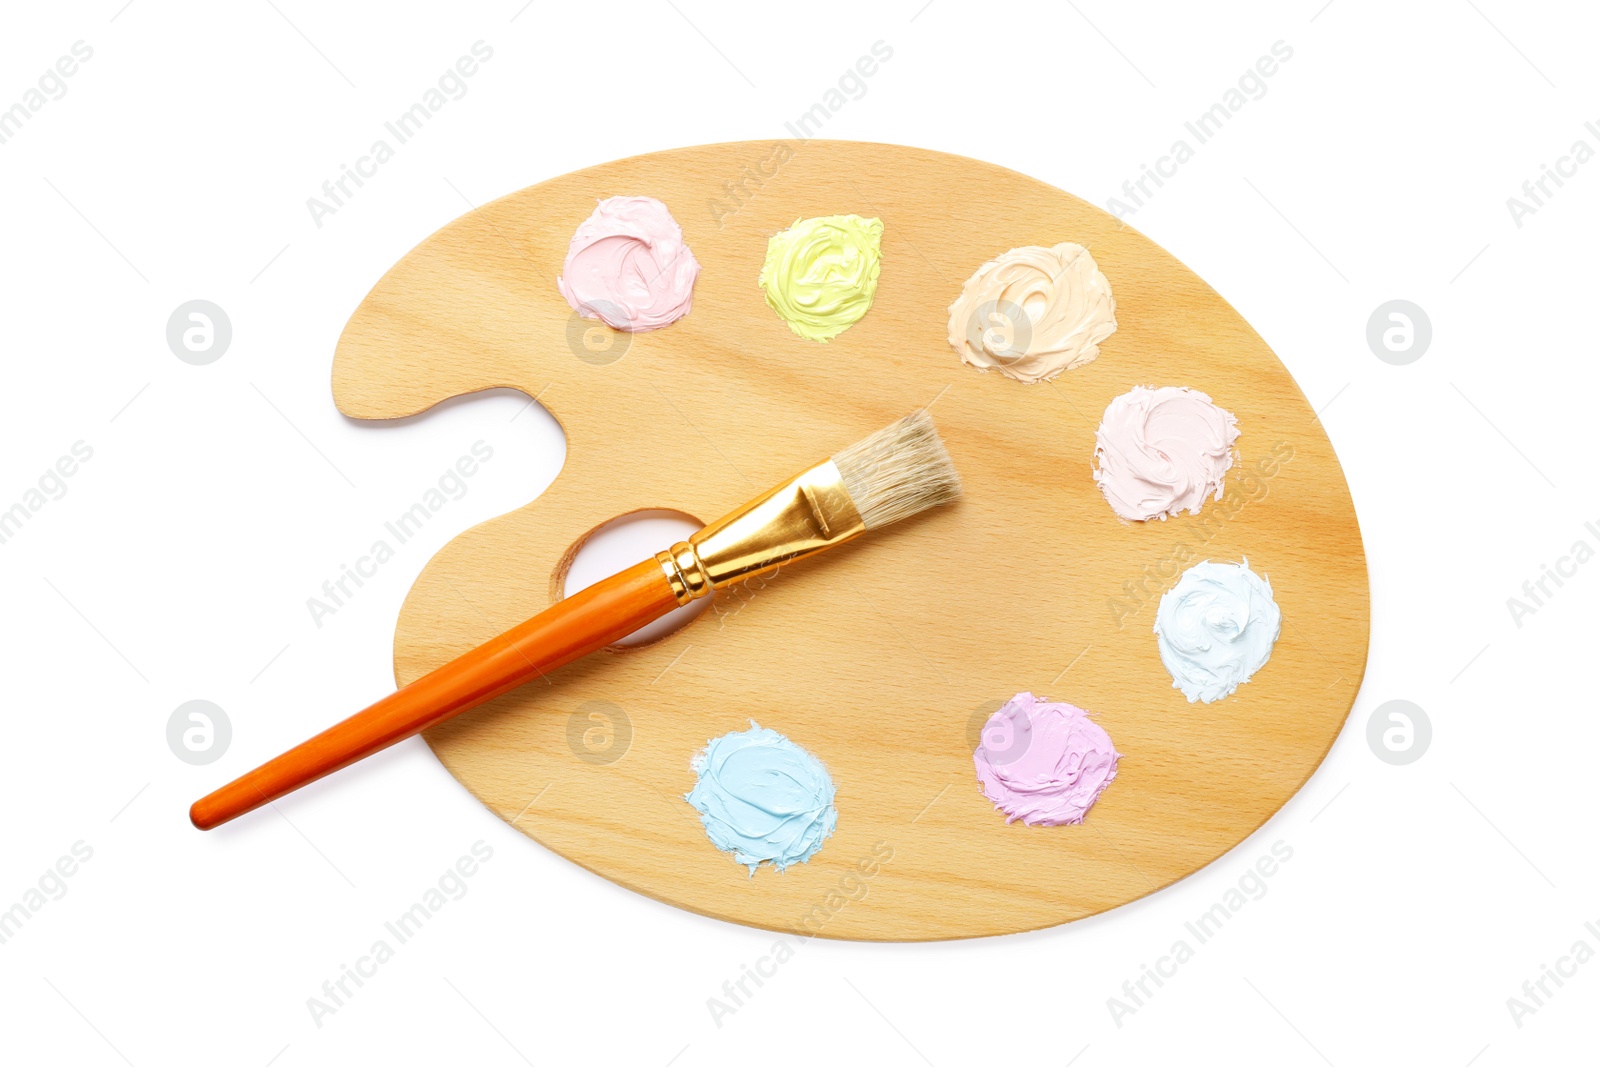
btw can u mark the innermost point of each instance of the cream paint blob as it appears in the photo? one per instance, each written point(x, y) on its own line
point(627, 265)
point(1161, 452)
point(1216, 628)
point(1033, 313)
point(820, 274)
point(1043, 763)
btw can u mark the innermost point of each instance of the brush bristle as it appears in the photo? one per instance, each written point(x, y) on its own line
point(898, 471)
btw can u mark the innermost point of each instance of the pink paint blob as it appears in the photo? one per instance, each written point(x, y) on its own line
point(627, 265)
point(1160, 452)
point(1043, 763)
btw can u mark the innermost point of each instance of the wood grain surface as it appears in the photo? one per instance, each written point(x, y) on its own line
point(883, 657)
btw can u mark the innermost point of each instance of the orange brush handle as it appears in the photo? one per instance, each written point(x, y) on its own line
point(576, 626)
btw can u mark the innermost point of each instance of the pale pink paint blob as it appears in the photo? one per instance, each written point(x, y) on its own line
point(1160, 452)
point(1043, 763)
point(627, 265)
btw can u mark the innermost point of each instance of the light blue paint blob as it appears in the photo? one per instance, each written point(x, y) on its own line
point(763, 798)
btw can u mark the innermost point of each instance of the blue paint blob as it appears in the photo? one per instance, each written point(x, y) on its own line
point(763, 798)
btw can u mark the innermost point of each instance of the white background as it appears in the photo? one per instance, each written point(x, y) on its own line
point(177, 565)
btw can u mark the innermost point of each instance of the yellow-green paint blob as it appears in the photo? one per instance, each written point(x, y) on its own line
point(821, 274)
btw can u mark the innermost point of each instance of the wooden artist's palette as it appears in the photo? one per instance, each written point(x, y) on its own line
point(883, 657)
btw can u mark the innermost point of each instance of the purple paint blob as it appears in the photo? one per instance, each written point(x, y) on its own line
point(1043, 763)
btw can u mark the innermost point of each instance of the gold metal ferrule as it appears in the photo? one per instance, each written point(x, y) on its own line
point(805, 515)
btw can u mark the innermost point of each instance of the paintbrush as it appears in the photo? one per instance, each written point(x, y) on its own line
point(897, 472)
